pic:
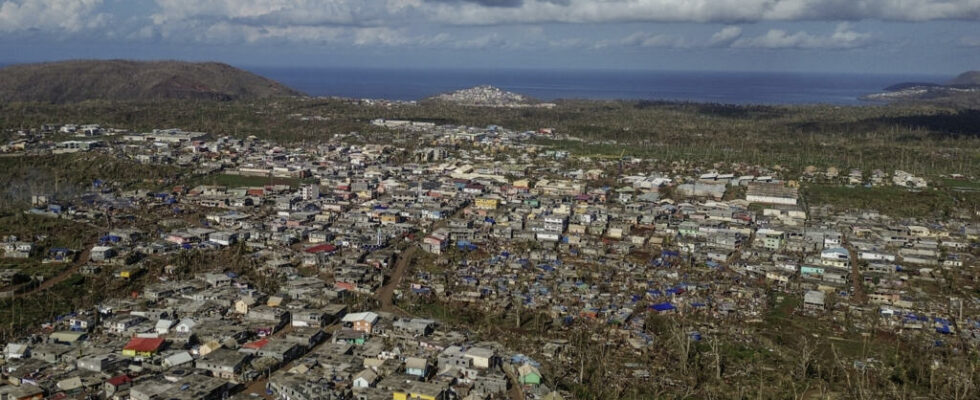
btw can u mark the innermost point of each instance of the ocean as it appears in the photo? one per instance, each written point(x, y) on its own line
point(714, 87)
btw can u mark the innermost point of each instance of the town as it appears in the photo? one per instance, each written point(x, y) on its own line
point(457, 262)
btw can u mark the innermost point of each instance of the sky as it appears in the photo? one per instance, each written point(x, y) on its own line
point(832, 36)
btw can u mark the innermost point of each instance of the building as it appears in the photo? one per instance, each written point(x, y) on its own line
point(771, 193)
point(362, 321)
point(142, 347)
point(814, 300)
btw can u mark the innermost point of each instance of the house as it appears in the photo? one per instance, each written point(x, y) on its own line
point(414, 326)
point(362, 321)
point(485, 203)
point(835, 257)
point(16, 351)
point(216, 280)
point(179, 358)
point(528, 375)
point(142, 347)
point(223, 363)
point(421, 391)
point(185, 326)
point(483, 358)
point(771, 193)
point(308, 318)
point(163, 326)
point(416, 366)
point(22, 392)
point(51, 353)
point(276, 318)
point(282, 350)
point(364, 379)
point(814, 300)
point(101, 362)
point(102, 253)
point(67, 337)
point(116, 384)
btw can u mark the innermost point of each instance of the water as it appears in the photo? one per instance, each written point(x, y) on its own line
point(714, 87)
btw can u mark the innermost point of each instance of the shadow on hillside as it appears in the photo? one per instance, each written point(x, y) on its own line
point(965, 123)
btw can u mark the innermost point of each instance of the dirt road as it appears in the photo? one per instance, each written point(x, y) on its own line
point(386, 293)
point(49, 283)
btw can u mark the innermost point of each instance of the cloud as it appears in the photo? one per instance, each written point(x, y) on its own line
point(63, 16)
point(970, 41)
point(283, 12)
point(484, 3)
point(644, 39)
point(843, 37)
point(395, 13)
point(725, 36)
point(728, 11)
point(426, 22)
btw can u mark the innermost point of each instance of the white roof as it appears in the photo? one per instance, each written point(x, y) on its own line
point(368, 316)
point(178, 359)
point(814, 297)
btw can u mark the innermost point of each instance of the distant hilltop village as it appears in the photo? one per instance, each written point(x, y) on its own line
point(489, 96)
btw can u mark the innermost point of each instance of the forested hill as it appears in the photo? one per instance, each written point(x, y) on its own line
point(74, 81)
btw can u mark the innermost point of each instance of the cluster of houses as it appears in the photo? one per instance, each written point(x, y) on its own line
point(512, 227)
point(216, 336)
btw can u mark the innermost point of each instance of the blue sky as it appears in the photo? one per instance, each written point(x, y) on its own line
point(860, 36)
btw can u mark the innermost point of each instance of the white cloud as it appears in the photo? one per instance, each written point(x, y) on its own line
point(598, 11)
point(419, 22)
point(644, 39)
point(842, 38)
point(284, 12)
point(491, 12)
point(725, 36)
point(66, 16)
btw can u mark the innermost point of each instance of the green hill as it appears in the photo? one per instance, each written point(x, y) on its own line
point(74, 81)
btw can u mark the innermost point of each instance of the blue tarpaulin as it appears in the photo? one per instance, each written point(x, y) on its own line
point(662, 307)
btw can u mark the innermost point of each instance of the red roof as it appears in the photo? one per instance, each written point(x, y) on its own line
point(323, 248)
point(258, 344)
point(119, 380)
point(141, 345)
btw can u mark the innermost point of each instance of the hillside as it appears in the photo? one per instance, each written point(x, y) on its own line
point(74, 81)
point(961, 92)
point(969, 78)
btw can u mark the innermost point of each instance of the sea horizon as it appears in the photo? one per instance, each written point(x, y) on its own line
point(739, 87)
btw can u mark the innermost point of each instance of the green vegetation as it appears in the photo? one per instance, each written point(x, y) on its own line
point(892, 200)
point(961, 184)
point(921, 139)
point(66, 175)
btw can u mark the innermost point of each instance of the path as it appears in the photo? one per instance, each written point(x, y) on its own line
point(386, 293)
point(857, 281)
point(516, 392)
point(68, 272)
